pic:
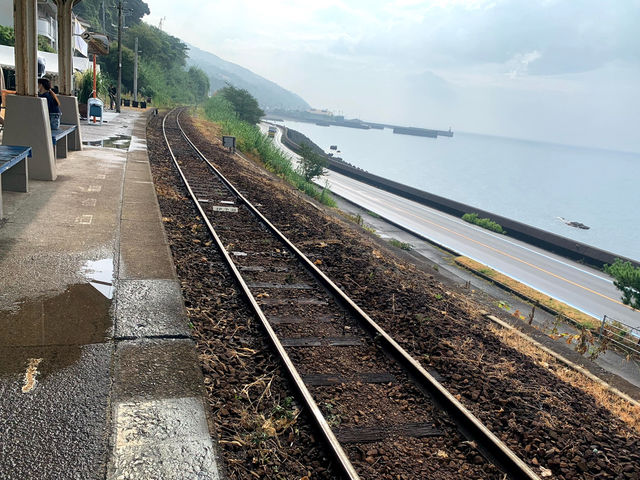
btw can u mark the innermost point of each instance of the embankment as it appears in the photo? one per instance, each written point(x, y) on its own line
point(549, 241)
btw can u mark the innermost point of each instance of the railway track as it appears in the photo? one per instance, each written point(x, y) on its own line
point(364, 392)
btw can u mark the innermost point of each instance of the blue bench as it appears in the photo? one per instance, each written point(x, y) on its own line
point(13, 169)
point(59, 137)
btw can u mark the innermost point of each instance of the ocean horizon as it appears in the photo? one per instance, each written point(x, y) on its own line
point(542, 184)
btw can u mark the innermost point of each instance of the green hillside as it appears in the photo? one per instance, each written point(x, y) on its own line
point(220, 72)
point(163, 73)
point(170, 70)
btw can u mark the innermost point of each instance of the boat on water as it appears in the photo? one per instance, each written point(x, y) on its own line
point(579, 225)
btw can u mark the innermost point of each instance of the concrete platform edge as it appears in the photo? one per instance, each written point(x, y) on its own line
point(160, 423)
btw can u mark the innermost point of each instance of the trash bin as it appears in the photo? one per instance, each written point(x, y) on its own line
point(95, 108)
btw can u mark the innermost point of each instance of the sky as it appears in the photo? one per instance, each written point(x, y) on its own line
point(563, 71)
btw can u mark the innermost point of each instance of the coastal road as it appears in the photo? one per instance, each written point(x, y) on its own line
point(584, 288)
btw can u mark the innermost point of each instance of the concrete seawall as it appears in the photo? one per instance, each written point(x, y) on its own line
point(549, 241)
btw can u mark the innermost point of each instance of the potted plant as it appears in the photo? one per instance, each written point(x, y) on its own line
point(144, 98)
point(83, 82)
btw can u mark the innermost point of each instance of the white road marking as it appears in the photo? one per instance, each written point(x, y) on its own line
point(84, 219)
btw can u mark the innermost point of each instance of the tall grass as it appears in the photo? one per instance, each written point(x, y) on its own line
point(250, 140)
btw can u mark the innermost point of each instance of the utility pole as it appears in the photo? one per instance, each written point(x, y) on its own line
point(135, 72)
point(119, 89)
point(104, 23)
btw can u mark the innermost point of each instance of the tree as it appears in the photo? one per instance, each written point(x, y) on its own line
point(311, 164)
point(156, 45)
point(627, 280)
point(91, 11)
point(8, 37)
point(244, 104)
point(109, 64)
point(199, 84)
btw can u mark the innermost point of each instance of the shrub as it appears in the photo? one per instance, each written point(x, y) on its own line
point(627, 280)
point(483, 222)
point(84, 84)
point(250, 140)
point(401, 245)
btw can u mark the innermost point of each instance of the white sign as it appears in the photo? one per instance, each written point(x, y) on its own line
point(216, 208)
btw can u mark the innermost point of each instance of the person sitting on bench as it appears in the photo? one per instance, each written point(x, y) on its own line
point(44, 89)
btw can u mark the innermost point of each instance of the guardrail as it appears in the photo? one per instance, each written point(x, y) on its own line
point(620, 335)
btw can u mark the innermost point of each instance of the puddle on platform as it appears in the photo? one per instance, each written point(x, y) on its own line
point(100, 275)
point(119, 141)
point(77, 316)
point(53, 328)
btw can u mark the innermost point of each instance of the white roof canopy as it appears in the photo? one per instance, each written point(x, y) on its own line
point(7, 60)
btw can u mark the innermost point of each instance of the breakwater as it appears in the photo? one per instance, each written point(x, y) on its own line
point(535, 236)
point(327, 121)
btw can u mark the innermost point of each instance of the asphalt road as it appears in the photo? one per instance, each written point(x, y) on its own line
point(584, 288)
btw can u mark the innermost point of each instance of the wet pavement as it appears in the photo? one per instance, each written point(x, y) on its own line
point(117, 141)
point(98, 376)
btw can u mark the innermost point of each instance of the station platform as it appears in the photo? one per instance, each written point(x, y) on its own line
point(99, 377)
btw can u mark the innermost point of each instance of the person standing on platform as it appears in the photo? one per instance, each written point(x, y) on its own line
point(112, 97)
point(44, 91)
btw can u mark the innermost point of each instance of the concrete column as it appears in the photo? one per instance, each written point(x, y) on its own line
point(25, 21)
point(68, 103)
point(27, 123)
point(71, 116)
point(65, 46)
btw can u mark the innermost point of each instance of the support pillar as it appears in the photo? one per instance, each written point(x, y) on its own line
point(25, 21)
point(68, 103)
point(65, 46)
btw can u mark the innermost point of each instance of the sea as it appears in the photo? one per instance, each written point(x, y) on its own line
point(541, 184)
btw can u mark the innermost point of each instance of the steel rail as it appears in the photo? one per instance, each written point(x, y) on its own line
point(496, 450)
point(334, 445)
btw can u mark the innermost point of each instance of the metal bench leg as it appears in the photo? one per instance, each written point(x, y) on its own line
point(61, 148)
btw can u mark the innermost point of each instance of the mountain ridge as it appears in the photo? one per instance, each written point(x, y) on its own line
point(269, 94)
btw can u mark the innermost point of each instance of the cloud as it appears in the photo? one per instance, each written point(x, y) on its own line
point(473, 64)
point(521, 61)
point(569, 36)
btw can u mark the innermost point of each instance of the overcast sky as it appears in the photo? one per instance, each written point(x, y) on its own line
point(566, 71)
